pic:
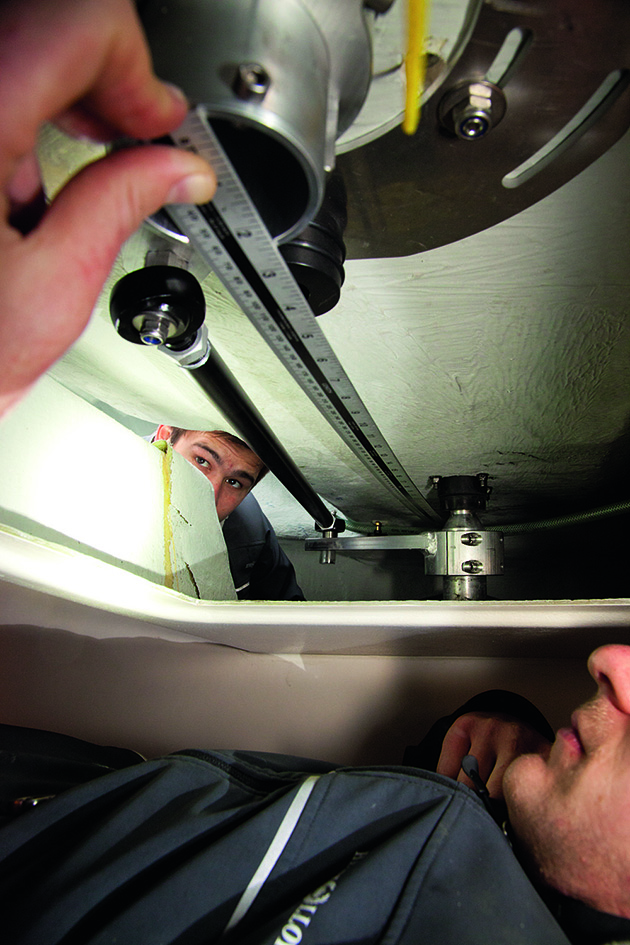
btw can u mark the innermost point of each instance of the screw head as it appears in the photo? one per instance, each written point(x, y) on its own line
point(472, 124)
point(251, 81)
point(472, 538)
point(152, 338)
point(472, 566)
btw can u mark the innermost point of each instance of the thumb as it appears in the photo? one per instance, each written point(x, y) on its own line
point(107, 201)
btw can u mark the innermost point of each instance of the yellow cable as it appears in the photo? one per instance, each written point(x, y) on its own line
point(415, 62)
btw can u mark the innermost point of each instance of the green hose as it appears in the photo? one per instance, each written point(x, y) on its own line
point(562, 521)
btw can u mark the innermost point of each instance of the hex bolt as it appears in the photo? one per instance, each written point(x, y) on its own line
point(472, 538)
point(472, 566)
point(328, 555)
point(251, 81)
point(472, 109)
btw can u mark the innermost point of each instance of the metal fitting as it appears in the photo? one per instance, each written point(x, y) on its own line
point(155, 328)
point(472, 567)
point(165, 255)
point(482, 479)
point(471, 538)
point(195, 354)
point(327, 553)
point(251, 81)
point(471, 110)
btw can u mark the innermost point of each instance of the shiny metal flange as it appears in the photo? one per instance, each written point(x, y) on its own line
point(280, 79)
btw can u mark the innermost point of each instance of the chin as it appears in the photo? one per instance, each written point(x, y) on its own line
point(526, 792)
point(525, 776)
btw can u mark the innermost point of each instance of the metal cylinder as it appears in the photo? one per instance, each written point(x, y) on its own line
point(268, 73)
point(464, 588)
point(317, 254)
point(466, 554)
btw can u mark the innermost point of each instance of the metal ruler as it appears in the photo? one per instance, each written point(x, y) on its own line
point(230, 235)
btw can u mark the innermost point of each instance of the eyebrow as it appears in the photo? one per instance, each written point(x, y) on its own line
point(238, 473)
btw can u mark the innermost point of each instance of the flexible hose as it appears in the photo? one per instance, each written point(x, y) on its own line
point(562, 521)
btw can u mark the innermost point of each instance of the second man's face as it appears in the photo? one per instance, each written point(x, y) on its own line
point(571, 811)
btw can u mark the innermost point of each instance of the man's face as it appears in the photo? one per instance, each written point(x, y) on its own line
point(571, 811)
point(230, 468)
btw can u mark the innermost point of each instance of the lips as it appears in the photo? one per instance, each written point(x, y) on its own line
point(570, 738)
point(575, 732)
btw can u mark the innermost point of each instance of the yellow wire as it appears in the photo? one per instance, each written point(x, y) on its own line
point(415, 62)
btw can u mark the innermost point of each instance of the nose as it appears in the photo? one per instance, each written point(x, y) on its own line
point(610, 668)
point(220, 495)
point(217, 484)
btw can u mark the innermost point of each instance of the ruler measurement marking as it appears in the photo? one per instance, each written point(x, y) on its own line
point(302, 353)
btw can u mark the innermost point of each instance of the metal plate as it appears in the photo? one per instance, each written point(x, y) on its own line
point(434, 188)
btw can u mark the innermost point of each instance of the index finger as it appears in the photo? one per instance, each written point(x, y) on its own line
point(455, 746)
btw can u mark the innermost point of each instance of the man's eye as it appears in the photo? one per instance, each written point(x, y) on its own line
point(201, 461)
point(234, 483)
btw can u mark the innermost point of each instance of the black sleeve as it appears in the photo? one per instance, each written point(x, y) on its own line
point(426, 755)
point(38, 764)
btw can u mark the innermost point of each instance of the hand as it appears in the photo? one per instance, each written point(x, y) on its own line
point(494, 740)
point(85, 65)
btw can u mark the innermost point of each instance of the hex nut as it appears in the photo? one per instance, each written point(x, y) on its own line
point(472, 109)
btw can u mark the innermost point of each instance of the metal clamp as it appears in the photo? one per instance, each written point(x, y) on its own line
point(327, 555)
point(463, 553)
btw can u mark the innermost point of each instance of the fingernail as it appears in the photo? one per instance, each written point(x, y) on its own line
point(176, 92)
point(196, 188)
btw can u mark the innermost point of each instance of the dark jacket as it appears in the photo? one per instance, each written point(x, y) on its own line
point(260, 569)
point(162, 852)
point(200, 847)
